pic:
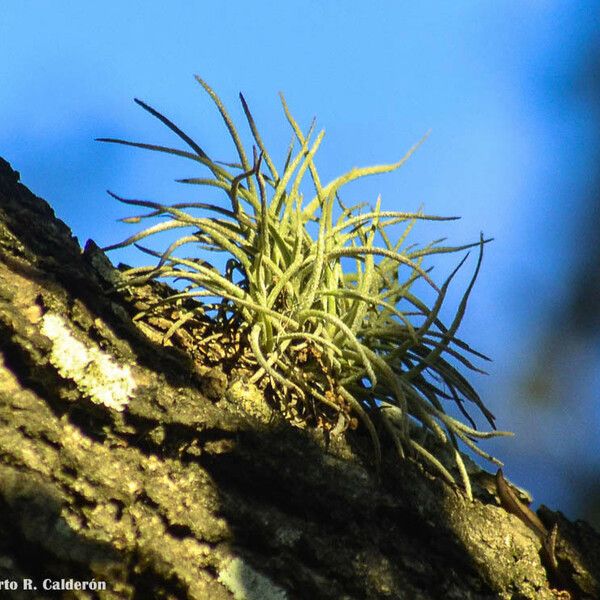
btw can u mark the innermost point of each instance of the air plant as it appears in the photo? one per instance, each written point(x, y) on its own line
point(322, 293)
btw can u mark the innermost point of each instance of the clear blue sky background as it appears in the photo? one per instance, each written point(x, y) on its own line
point(494, 81)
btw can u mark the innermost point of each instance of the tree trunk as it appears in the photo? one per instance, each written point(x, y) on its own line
point(132, 469)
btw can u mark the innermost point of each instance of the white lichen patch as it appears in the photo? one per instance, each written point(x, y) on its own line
point(247, 584)
point(94, 372)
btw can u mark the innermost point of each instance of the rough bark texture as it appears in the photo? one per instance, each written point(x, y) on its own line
point(186, 495)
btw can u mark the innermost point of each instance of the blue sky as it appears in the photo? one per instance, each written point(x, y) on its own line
point(494, 81)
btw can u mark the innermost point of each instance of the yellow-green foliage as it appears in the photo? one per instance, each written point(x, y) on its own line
point(323, 293)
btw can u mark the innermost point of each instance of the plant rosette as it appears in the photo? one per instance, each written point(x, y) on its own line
point(322, 293)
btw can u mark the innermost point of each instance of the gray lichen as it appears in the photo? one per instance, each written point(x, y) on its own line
point(247, 584)
point(94, 372)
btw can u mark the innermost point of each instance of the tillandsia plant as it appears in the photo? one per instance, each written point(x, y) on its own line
point(322, 293)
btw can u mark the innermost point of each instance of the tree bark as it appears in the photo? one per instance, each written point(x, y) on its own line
point(132, 465)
